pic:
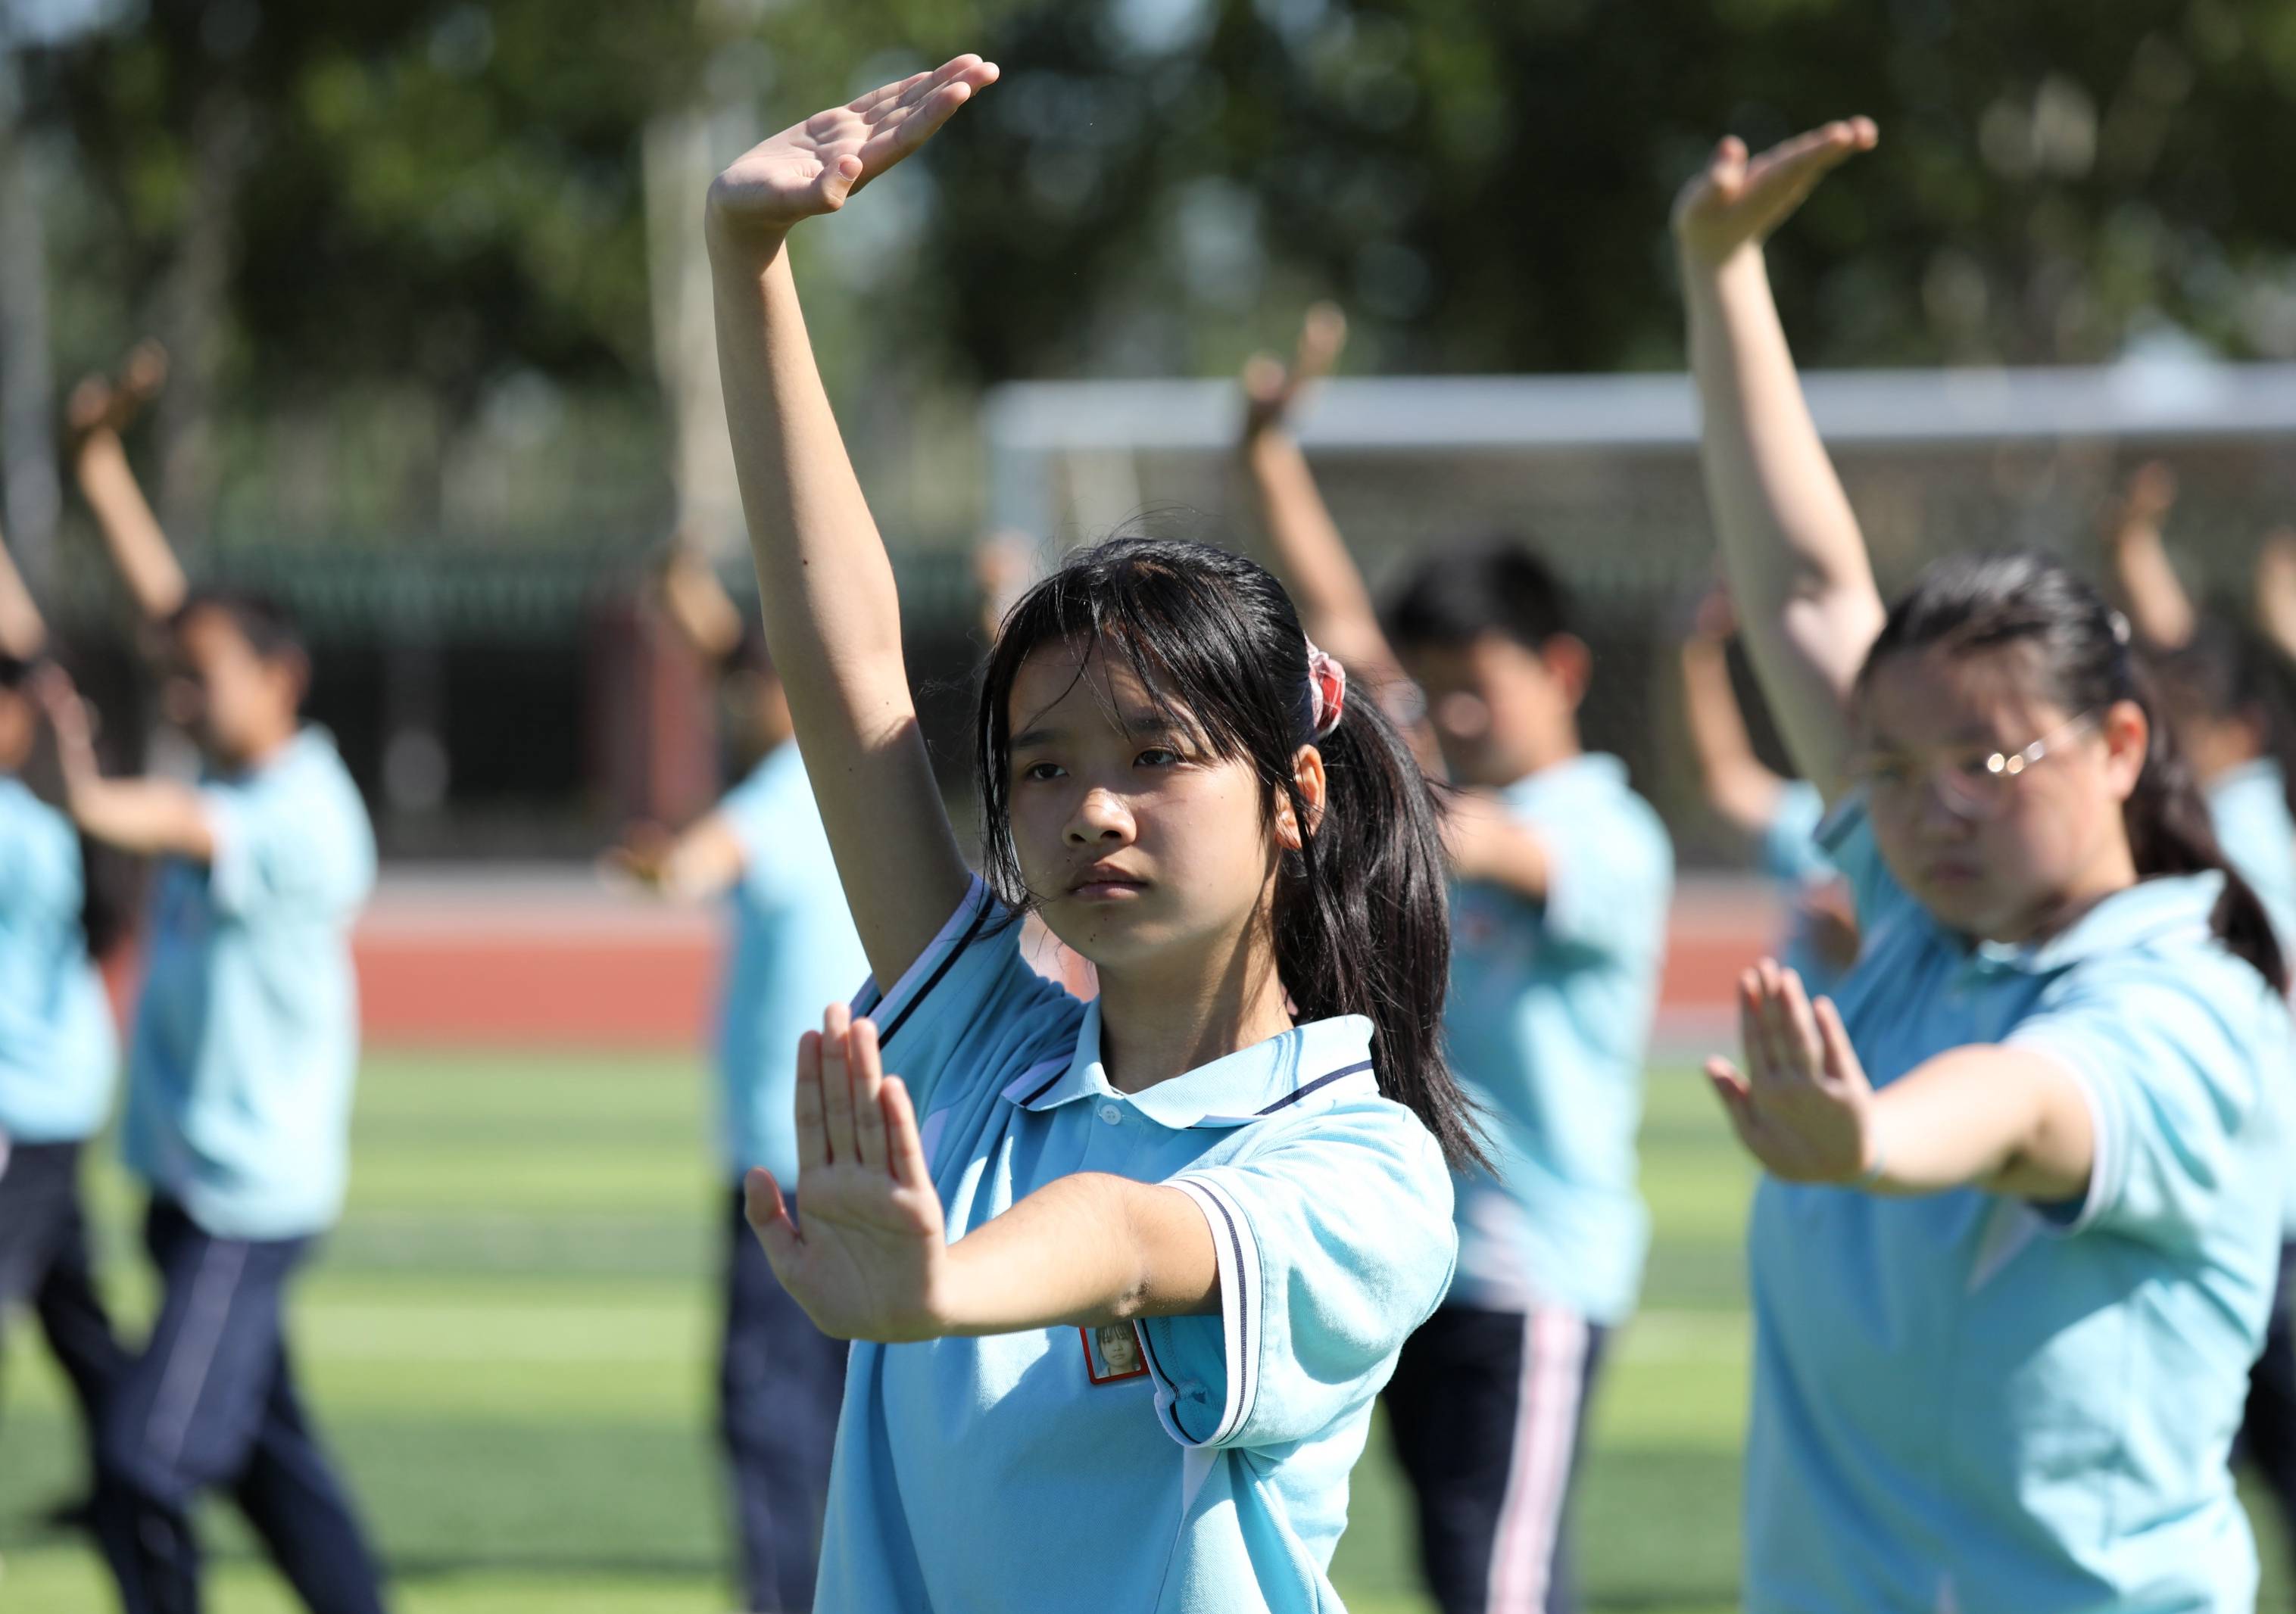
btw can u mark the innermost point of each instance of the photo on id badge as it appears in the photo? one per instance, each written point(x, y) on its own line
point(1112, 1354)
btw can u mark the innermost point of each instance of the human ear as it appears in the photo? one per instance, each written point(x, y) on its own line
point(2127, 735)
point(1571, 664)
point(1312, 785)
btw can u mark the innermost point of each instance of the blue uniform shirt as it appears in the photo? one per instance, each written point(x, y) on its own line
point(1966, 1402)
point(2249, 806)
point(1548, 1021)
point(58, 1050)
point(794, 952)
point(1788, 852)
point(246, 1043)
point(1191, 1463)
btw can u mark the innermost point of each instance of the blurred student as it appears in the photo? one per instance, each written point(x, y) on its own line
point(763, 851)
point(59, 1052)
point(1558, 925)
point(2222, 697)
point(1234, 1154)
point(2017, 1241)
point(240, 1075)
point(1780, 815)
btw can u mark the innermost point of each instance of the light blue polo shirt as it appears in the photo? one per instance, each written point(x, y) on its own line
point(1548, 1023)
point(1966, 1402)
point(794, 952)
point(1199, 1463)
point(246, 1042)
point(2249, 806)
point(1787, 851)
point(58, 1050)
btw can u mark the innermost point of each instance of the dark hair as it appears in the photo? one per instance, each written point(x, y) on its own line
point(2081, 657)
point(2223, 671)
point(14, 670)
point(267, 625)
point(1498, 587)
point(1361, 921)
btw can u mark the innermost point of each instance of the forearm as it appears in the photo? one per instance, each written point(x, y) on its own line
point(2158, 608)
point(1990, 1116)
point(1307, 553)
point(1497, 852)
point(23, 633)
point(139, 549)
point(1796, 560)
point(1084, 1250)
point(1737, 785)
point(147, 817)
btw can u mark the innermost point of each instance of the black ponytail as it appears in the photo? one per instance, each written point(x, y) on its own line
point(2083, 661)
point(1361, 915)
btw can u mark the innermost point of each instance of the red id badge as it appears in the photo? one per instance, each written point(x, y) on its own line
point(1113, 1354)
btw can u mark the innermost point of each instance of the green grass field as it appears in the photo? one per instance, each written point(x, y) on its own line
point(509, 1344)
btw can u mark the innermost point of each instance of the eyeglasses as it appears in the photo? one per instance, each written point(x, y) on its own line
point(1973, 786)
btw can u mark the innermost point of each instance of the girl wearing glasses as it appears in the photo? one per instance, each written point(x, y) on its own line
point(2017, 1242)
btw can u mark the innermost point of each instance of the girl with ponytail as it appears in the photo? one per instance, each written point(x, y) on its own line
point(2015, 1248)
point(1125, 1277)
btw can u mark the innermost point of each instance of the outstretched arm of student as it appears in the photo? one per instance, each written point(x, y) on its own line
point(1489, 845)
point(132, 535)
point(2159, 608)
point(23, 635)
point(1985, 1116)
point(1738, 786)
point(832, 615)
point(147, 817)
point(1796, 561)
point(705, 859)
point(872, 1259)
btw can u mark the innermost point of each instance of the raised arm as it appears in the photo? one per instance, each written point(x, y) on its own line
point(139, 553)
point(1305, 548)
point(2275, 590)
point(1737, 785)
point(23, 633)
point(2154, 596)
point(144, 818)
point(832, 618)
point(1796, 561)
point(698, 605)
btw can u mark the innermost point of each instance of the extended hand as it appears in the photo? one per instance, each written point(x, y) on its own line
point(1271, 387)
point(1738, 201)
point(69, 719)
point(1804, 1108)
point(871, 1259)
point(812, 167)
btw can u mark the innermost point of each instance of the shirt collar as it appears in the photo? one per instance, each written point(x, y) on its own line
point(1322, 1058)
point(2150, 910)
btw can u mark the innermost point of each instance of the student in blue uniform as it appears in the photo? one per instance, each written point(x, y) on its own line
point(2222, 697)
point(1558, 934)
point(238, 1113)
point(792, 948)
point(58, 1050)
point(1780, 815)
point(2017, 1242)
point(1128, 1276)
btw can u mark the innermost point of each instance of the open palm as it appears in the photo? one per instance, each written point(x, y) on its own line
point(870, 1258)
point(812, 167)
point(1802, 1106)
point(1738, 201)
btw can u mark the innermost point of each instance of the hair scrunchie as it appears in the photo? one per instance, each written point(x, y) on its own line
point(1327, 686)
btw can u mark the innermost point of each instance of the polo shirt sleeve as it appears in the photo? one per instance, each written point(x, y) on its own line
point(967, 1004)
point(1787, 849)
point(1333, 1243)
point(295, 852)
point(1609, 875)
point(2167, 1058)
